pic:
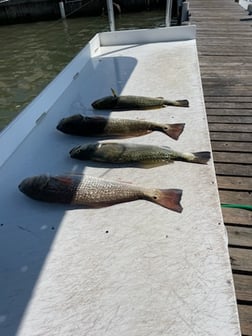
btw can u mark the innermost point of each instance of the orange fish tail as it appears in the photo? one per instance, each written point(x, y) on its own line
point(168, 198)
point(174, 130)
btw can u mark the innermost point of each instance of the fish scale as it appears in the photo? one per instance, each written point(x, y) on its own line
point(91, 189)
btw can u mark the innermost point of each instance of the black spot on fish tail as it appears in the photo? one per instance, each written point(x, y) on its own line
point(169, 198)
point(173, 130)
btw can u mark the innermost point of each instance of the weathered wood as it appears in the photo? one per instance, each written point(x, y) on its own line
point(225, 54)
point(227, 102)
point(236, 217)
point(229, 112)
point(237, 197)
point(240, 237)
point(244, 128)
point(243, 287)
point(241, 259)
point(233, 182)
point(231, 146)
point(232, 169)
point(229, 157)
point(230, 119)
point(230, 136)
point(245, 313)
point(241, 100)
point(227, 90)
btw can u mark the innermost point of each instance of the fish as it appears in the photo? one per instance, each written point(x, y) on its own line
point(114, 127)
point(92, 192)
point(132, 102)
point(146, 156)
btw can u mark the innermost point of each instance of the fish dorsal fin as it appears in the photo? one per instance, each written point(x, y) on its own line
point(114, 93)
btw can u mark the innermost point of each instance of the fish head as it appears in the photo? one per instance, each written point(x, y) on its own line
point(84, 152)
point(34, 186)
point(105, 103)
point(46, 188)
point(66, 125)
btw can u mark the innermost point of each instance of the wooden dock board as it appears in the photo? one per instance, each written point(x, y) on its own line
point(224, 42)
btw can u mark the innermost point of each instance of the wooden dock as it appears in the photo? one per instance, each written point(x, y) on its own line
point(224, 39)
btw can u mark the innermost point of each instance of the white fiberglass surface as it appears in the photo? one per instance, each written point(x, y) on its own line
point(134, 268)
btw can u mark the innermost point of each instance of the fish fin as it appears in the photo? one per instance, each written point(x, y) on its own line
point(181, 103)
point(169, 198)
point(114, 93)
point(201, 157)
point(173, 130)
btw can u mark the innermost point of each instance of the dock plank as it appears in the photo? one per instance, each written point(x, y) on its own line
point(228, 112)
point(236, 197)
point(224, 119)
point(229, 157)
point(231, 146)
point(235, 182)
point(240, 237)
point(231, 136)
point(246, 128)
point(245, 313)
point(236, 217)
point(243, 287)
point(241, 259)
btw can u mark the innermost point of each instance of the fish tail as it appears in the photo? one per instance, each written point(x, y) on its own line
point(168, 198)
point(173, 130)
point(181, 103)
point(201, 157)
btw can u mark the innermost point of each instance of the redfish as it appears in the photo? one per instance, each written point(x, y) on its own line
point(113, 127)
point(92, 192)
point(131, 102)
point(135, 154)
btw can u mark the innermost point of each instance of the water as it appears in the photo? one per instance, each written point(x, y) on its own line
point(31, 55)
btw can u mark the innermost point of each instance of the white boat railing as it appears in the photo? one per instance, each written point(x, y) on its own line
point(168, 12)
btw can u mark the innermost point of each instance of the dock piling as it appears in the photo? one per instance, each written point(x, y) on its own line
point(62, 10)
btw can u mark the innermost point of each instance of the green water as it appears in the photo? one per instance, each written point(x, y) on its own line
point(31, 55)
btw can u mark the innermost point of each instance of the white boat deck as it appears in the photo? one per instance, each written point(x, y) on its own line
point(133, 269)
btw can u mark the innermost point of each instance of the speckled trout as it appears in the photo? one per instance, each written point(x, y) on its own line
point(135, 154)
point(131, 102)
point(114, 127)
point(92, 192)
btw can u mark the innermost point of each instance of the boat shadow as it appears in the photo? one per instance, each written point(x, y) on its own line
point(28, 228)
